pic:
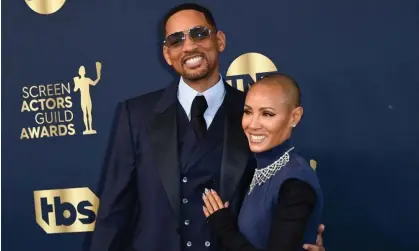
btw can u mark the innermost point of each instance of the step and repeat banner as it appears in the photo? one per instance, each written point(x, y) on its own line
point(66, 64)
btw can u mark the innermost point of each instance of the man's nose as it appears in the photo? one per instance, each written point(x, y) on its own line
point(189, 44)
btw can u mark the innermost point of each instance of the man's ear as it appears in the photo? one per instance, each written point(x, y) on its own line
point(221, 41)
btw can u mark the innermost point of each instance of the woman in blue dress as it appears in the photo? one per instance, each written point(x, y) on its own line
point(283, 206)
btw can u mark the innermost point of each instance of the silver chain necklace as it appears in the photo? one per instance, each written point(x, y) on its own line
point(264, 174)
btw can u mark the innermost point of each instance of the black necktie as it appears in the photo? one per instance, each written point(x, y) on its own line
point(199, 105)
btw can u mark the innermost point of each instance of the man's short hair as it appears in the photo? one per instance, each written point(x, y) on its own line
point(189, 6)
point(293, 90)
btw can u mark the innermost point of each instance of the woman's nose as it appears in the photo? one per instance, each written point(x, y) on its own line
point(254, 122)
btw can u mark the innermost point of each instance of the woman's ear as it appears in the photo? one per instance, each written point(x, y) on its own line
point(296, 115)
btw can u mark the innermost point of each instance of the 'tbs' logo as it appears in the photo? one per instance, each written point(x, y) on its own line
point(66, 210)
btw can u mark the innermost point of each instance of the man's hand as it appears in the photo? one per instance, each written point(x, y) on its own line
point(319, 241)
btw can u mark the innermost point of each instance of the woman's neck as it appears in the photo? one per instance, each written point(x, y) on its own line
point(266, 158)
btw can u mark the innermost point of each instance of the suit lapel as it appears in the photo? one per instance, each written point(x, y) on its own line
point(236, 149)
point(164, 145)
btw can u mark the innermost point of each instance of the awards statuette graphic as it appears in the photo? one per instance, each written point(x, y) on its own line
point(82, 84)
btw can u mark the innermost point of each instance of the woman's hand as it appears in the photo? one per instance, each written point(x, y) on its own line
point(212, 202)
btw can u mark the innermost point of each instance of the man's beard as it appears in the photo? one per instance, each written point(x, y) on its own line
point(197, 75)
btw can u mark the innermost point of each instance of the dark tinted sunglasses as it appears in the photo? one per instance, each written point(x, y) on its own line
point(196, 34)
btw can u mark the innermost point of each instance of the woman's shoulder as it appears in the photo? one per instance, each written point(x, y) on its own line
point(297, 163)
point(297, 168)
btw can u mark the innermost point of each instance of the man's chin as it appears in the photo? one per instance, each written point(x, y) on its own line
point(195, 76)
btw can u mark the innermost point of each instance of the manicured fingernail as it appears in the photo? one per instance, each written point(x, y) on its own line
point(206, 191)
point(203, 196)
point(212, 191)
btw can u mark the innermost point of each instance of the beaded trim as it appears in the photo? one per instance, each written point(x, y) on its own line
point(264, 174)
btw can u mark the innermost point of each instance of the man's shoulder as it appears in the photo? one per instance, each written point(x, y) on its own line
point(145, 101)
point(235, 98)
point(139, 108)
point(235, 94)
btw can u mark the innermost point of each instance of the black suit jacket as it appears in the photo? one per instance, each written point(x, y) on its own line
point(139, 198)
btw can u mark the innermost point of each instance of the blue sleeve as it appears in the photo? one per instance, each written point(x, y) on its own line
point(117, 188)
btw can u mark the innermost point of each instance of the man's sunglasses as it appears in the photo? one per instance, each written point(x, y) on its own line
point(197, 34)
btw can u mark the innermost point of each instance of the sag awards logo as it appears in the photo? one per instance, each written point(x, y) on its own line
point(247, 69)
point(52, 106)
point(45, 7)
point(66, 210)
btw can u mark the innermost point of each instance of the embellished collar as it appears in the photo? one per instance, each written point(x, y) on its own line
point(266, 158)
point(270, 162)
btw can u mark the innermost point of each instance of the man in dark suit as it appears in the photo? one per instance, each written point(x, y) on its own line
point(168, 146)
